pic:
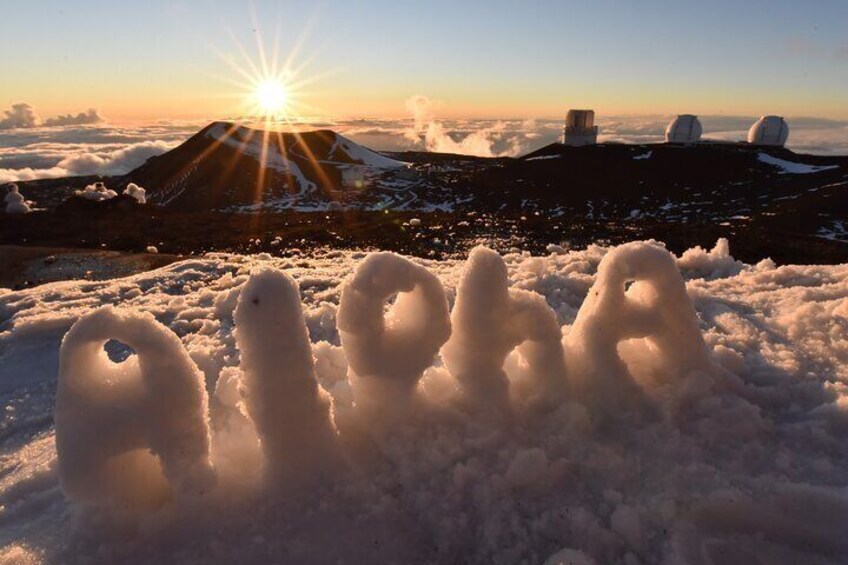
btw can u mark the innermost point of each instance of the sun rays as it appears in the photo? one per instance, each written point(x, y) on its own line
point(269, 93)
point(269, 83)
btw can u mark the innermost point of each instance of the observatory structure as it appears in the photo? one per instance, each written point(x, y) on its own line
point(769, 130)
point(685, 128)
point(580, 128)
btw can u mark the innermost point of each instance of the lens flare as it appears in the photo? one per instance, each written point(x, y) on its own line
point(271, 97)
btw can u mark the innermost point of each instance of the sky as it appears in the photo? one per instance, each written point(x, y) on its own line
point(165, 59)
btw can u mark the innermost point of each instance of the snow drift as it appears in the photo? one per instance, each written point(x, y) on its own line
point(607, 405)
point(15, 202)
point(137, 192)
point(97, 192)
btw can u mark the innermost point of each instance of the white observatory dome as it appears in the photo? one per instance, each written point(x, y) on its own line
point(685, 128)
point(769, 130)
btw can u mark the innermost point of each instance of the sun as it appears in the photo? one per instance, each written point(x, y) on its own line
point(271, 97)
point(270, 88)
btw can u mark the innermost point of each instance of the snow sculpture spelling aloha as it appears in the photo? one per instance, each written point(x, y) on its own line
point(638, 294)
point(489, 321)
point(388, 354)
point(291, 412)
point(130, 433)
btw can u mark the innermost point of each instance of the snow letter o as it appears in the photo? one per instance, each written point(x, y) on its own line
point(388, 354)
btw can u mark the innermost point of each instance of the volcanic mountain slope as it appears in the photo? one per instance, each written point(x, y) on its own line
point(681, 184)
point(228, 167)
point(232, 167)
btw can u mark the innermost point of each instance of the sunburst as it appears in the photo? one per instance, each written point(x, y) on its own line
point(271, 97)
point(270, 92)
point(269, 87)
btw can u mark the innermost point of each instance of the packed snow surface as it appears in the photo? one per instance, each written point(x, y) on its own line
point(610, 405)
point(97, 192)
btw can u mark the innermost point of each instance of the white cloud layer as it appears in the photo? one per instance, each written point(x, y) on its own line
point(30, 151)
point(510, 137)
point(54, 152)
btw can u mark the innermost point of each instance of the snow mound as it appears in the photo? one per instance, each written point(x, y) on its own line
point(590, 406)
point(135, 191)
point(15, 202)
point(713, 264)
point(489, 321)
point(638, 301)
point(13, 194)
point(96, 192)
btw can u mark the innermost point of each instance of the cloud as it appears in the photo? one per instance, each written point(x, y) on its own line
point(20, 116)
point(82, 160)
point(24, 116)
point(495, 140)
point(50, 152)
point(83, 118)
point(113, 162)
point(107, 149)
point(27, 173)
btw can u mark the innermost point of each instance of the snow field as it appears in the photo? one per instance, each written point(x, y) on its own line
point(588, 406)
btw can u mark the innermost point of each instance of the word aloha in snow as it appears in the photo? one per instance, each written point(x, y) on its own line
point(138, 432)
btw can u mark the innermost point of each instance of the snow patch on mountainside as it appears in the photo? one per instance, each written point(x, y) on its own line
point(256, 144)
point(788, 167)
point(366, 156)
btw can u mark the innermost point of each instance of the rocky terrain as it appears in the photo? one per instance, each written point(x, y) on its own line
point(233, 188)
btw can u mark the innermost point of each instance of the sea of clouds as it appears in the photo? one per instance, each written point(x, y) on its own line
point(88, 144)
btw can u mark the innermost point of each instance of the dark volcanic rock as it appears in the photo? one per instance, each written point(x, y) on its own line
point(440, 233)
point(119, 204)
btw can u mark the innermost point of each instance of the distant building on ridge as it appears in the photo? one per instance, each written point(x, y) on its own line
point(769, 130)
point(580, 128)
point(685, 128)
